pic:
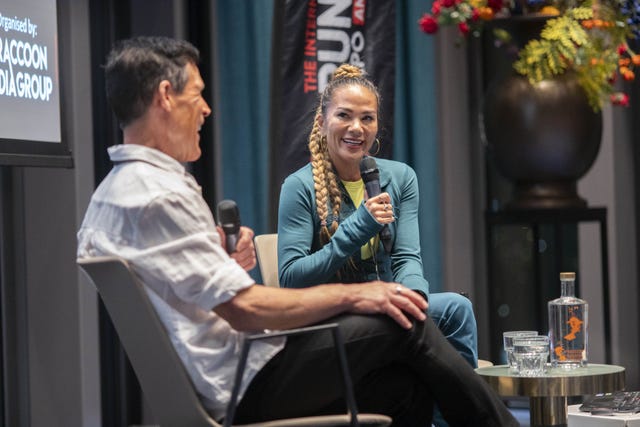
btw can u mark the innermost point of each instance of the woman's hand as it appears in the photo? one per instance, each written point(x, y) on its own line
point(381, 208)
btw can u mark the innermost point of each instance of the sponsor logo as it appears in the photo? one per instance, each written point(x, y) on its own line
point(331, 39)
point(357, 13)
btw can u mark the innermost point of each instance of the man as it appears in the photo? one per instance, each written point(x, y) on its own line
point(150, 211)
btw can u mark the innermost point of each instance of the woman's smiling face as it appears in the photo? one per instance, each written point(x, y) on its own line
point(350, 125)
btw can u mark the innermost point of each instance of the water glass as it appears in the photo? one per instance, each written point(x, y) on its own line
point(507, 338)
point(531, 355)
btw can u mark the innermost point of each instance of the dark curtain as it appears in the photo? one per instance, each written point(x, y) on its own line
point(416, 127)
point(243, 45)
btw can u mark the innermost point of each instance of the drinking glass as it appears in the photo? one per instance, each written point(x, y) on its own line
point(507, 338)
point(531, 355)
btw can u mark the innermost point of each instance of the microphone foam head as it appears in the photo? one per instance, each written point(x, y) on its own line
point(229, 216)
point(369, 169)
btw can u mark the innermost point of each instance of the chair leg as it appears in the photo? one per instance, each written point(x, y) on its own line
point(346, 377)
point(231, 408)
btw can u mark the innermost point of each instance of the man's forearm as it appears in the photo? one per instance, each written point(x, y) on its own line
point(262, 307)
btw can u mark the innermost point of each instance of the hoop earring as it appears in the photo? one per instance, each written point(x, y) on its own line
point(378, 150)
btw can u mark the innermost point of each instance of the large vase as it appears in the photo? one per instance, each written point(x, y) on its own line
point(543, 137)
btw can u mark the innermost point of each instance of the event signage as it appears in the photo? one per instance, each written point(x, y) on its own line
point(311, 39)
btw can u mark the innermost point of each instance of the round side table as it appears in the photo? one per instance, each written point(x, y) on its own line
point(548, 394)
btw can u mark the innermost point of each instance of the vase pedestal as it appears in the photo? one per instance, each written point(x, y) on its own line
point(546, 195)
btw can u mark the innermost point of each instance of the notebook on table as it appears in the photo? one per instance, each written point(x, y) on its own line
point(610, 403)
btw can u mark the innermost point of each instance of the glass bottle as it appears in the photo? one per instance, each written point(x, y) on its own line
point(568, 326)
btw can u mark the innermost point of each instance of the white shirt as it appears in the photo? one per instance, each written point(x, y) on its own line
point(150, 211)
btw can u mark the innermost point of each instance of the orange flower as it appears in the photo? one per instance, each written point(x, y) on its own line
point(550, 10)
point(485, 13)
point(627, 74)
point(588, 24)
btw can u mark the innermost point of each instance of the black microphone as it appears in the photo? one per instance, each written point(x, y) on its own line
point(229, 220)
point(371, 177)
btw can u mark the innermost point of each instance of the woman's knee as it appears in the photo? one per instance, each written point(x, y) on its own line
point(451, 307)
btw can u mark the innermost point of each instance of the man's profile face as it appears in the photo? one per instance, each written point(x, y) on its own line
point(189, 110)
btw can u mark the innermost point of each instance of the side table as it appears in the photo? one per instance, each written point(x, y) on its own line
point(548, 394)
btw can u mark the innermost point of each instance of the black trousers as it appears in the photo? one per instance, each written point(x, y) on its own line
point(395, 372)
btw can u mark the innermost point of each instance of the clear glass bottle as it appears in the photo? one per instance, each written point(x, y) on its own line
point(568, 326)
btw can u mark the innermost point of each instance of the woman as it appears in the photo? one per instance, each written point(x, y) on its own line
point(325, 232)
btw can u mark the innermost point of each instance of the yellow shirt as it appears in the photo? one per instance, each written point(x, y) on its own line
point(356, 192)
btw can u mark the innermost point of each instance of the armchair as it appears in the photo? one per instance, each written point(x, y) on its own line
point(164, 381)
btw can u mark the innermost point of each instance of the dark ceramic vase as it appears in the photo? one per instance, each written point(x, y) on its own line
point(542, 137)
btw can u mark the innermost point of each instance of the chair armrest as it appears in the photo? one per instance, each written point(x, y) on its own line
point(342, 359)
point(289, 332)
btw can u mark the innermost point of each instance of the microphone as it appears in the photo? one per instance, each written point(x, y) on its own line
point(229, 220)
point(371, 177)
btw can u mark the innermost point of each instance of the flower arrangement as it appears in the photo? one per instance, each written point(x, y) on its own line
point(587, 37)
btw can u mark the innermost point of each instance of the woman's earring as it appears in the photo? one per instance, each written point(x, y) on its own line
point(377, 150)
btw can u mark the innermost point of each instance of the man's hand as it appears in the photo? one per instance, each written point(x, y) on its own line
point(245, 253)
point(392, 299)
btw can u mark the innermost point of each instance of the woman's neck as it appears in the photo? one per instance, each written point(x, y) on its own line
point(347, 172)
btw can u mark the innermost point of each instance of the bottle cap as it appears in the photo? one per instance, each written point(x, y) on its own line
point(568, 275)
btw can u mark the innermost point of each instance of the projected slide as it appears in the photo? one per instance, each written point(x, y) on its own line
point(29, 81)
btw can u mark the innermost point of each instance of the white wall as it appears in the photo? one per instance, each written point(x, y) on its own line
point(609, 183)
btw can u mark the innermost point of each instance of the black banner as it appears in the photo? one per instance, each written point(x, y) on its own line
point(311, 38)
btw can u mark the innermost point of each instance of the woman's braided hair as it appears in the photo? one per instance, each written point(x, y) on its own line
point(324, 176)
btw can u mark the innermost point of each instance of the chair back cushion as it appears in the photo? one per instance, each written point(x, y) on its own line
point(267, 253)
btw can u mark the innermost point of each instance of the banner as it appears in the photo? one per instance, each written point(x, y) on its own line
point(311, 38)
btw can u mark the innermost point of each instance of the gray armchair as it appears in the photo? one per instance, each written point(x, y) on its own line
point(165, 383)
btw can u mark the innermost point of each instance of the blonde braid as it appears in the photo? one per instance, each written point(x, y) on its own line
point(346, 71)
point(334, 193)
point(318, 166)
